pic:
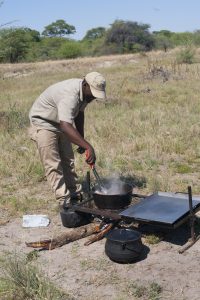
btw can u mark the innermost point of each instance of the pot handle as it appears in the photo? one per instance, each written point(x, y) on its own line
point(139, 195)
point(124, 246)
point(135, 194)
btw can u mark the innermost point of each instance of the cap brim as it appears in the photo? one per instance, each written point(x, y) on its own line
point(98, 94)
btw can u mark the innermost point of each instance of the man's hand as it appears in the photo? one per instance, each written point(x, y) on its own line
point(80, 150)
point(90, 156)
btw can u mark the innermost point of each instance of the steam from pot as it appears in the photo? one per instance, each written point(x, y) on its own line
point(112, 186)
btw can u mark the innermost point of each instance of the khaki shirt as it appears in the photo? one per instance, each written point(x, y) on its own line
point(59, 102)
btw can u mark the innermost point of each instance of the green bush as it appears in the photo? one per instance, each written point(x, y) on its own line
point(47, 49)
point(70, 49)
point(186, 56)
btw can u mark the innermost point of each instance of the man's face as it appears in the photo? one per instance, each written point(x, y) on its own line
point(87, 95)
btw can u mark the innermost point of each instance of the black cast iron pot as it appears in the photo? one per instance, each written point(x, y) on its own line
point(112, 200)
point(123, 245)
point(73, 219)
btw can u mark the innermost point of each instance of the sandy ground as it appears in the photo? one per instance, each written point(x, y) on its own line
point(85, 272)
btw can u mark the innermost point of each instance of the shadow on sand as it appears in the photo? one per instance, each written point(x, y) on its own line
point(178, 236)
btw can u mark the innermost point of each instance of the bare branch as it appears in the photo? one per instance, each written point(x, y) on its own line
point(8, 23)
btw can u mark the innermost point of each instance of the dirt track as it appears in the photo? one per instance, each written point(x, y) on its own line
point(86, 272)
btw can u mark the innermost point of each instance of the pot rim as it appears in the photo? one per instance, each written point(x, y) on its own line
point(110, 234)
point(110, 195)
point(129, 191)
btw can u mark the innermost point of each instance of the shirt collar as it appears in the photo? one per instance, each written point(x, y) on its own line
point(81, 91)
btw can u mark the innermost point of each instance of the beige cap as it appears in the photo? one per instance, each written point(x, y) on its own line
point(97, 84)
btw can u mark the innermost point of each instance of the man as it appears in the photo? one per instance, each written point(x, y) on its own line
point(57, 120)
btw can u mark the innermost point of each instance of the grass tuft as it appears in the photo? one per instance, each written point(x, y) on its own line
point(153, 239)
point(22, 281)
point(186, 56)
point(152, 291)
point(182, 168)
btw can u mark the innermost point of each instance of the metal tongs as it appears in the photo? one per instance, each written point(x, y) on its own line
point(98, 179)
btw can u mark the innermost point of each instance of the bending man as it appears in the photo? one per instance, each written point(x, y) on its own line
point(57, 120)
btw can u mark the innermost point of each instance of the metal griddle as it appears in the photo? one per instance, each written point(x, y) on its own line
point(163, 209)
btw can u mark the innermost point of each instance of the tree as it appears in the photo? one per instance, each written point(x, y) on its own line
point(48, 48)
point(197, 37)
point(163, 39)
point(182, 38)
point(95, 33)
point(15, 43)
point(58, 29)
point(129, 36)
point(70, 49)
point(164, 32)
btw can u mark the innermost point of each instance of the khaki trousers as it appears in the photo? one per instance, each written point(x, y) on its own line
point(57, 158)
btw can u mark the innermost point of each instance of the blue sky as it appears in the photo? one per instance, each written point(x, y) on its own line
point(174, 15)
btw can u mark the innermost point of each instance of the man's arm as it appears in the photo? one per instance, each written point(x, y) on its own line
point(79, 122)
point(76, 138)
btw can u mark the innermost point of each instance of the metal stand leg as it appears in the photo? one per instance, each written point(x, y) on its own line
point(193, 238)
point(88, 183)
point(192, 217)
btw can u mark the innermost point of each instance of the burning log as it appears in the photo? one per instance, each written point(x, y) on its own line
point(67, 237)
point(99, 235)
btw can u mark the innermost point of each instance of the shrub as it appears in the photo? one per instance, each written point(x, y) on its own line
point(186, 56)
point(70, 49)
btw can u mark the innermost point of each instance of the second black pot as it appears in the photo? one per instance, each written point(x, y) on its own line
point(123, 245)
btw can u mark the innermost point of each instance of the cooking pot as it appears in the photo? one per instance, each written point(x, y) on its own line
point(73, 219)
point(108, 198)
point(123, 245)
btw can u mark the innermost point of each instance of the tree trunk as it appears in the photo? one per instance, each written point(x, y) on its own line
point(67, 237)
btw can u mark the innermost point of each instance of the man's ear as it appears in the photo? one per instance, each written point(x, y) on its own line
point(84, 85)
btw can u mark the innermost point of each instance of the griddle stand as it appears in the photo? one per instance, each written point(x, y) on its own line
point(193, 238)
point(115, 215)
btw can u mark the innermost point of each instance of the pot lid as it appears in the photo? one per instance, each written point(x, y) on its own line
point(123, 235)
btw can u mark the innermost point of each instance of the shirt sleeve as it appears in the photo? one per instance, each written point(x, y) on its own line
point(67, 109)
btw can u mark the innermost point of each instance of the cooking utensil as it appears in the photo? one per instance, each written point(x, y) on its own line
point(123, 245)
point(100, 183)
point(116, 200)
point(98, 179)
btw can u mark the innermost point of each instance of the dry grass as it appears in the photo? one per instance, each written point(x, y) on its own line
point(150, 292)
point(149, 128)
point(21, 280)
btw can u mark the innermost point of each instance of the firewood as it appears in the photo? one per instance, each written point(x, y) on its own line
point(4, 222)
point(65, 238)
point(99, 235)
